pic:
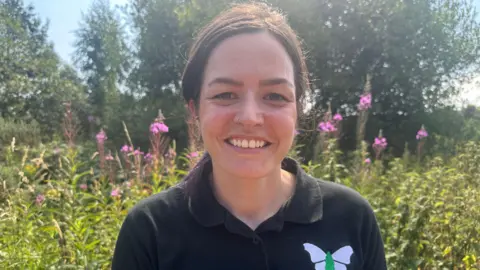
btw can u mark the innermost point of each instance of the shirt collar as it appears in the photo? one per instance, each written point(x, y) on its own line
point(305, 206)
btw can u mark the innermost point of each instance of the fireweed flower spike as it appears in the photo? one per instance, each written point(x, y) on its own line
point(422, 133)
point(337, 117)
point(156, 130)
point(158, 127)
point(365, 102)
point(101, 138)
point(327, 127)
point(125, 149)
point(192, 155)
point(380, 144)
point(115, 192)
point(148, 157)
point(40, 198)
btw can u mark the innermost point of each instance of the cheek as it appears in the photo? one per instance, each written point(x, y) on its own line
point(214, 120)
point(283, 122)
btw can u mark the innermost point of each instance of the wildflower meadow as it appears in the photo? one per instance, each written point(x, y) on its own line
point(63, 204)
point(84, 139)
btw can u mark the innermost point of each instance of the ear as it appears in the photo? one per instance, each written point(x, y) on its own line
point(191, 108)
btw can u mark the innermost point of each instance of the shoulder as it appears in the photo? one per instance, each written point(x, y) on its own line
point(167, 203)
point(151, 227)
point(336, 192)
point(339, 199)
point(165, 206)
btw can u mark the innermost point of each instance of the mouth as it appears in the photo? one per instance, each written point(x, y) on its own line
point(248, 143)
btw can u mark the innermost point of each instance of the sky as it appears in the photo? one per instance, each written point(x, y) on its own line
point(64, 16)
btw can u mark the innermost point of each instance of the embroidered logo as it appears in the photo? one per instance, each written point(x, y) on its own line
point(327, 261)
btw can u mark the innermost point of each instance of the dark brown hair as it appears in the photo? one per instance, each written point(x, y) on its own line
point(240, 19)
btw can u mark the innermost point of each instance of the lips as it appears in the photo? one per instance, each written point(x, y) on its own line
point(247, 143)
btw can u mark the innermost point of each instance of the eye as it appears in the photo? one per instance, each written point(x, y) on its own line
point(275, 97)
point(225, 96)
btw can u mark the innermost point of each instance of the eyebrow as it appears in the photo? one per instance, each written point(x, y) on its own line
point(267, 82)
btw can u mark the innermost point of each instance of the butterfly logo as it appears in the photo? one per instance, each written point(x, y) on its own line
point(326, 261)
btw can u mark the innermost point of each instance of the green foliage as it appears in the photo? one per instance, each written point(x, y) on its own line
point(70, 220)
point(34, 84)
point(428, 215)
point(102, 55)
point(23, 132)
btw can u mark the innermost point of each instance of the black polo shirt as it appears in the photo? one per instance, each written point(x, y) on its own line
point(324, 226)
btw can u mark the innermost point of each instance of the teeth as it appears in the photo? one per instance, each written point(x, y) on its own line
point(247, 143)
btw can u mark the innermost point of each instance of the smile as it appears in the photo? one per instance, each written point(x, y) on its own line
point(244, 143)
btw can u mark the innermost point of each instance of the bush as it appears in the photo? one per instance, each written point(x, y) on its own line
point(26, 133)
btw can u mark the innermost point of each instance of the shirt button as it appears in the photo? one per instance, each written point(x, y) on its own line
point(256, 240)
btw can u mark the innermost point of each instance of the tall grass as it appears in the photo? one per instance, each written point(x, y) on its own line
point(62, 205)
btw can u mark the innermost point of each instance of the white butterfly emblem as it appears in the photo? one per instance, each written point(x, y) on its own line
point(324, 261)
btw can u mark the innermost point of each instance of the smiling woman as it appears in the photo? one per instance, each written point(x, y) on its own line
point(246, 205)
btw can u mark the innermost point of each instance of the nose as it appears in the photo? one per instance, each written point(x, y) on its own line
point(250, 113)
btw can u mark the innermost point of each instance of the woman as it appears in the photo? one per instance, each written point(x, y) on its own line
point(246, 205)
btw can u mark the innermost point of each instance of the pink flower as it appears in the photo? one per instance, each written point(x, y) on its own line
point(365, 102)
point(115, 192)
point(148, 157)
point(101, 136)
point(137, 153)
point(158, 127)
point(126, 149)
point(326, 127)
point(337, 117)
point(83, 186)
point(422, 133)
point(40, 199)
point(192, 155)
point(109, 157)
point(368, 161)
point(380, 143)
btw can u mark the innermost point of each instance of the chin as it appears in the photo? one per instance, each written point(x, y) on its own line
point(248, 169)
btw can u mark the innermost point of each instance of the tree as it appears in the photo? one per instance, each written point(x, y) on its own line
point(160, 44)
point(32, 81)
point(413, 49)
point(102, 55)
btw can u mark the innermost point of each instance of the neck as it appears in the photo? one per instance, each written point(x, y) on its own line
point(253, 200)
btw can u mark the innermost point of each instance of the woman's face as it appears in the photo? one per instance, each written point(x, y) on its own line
point(247, 107)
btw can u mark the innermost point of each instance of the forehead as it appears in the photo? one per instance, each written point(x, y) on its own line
point(248, 57)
